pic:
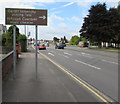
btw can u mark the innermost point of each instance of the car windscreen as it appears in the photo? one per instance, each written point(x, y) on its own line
point(59, 44)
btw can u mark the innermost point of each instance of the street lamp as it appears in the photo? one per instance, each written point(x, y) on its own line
point(27, 38)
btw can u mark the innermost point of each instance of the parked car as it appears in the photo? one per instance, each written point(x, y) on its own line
point(41, 46)
point(59, 46)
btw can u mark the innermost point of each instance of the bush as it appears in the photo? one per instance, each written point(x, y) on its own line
point(23, 41)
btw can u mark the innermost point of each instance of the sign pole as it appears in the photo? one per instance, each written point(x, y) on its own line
point(14, 54)
point(17, 16)
point(36, 56)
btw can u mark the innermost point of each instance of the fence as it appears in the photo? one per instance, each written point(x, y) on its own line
point(7, 63)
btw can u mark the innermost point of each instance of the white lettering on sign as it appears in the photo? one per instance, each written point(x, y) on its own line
point(29, 19)
point(18, 15)
point(26, 16)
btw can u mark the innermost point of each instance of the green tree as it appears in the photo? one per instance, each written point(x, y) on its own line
point(9, 36)
point(62, 40)
point(83, 39)
point(9, 39)
point(102, 25)
point(74, 40)
point(65, 40)
point(23, 41)
point(55, 39)
point(2, 39)
point(114, 26)
point(94, 26)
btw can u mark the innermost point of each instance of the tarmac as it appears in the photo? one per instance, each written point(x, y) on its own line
point(52, 85)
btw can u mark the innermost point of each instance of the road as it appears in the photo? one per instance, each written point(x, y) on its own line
point(53, 84)
point(97, 68)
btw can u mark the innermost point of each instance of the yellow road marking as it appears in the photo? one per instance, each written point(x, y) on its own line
point(99, 94)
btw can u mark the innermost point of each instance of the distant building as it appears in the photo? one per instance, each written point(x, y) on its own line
point(119, 3)
point(3, 29)
point(50, 41)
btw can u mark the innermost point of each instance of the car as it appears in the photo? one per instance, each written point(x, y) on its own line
point(64, 44)
point(41, 46)
point(59, 46)
point(47, 44)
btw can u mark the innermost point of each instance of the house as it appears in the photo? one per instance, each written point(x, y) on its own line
point(3, 29)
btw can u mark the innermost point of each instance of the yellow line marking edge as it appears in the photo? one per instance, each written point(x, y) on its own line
point(96, 92)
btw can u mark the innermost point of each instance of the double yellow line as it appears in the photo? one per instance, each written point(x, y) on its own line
point(96, 92)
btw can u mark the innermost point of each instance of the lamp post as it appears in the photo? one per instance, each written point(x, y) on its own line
point(27, 39)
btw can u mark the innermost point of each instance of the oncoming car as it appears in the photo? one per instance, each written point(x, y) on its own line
point(59, 46)
point(41, 46)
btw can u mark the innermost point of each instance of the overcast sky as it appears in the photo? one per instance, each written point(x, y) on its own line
point(64, 18)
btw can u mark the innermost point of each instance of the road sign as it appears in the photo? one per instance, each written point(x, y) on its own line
point(25, 16)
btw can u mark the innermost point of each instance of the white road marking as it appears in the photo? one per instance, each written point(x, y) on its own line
point(63, 55)
point(110, 62)
point(88, 64)
point(85, 55)
point(67, 53)
point(92, 89)
point(50, 54)
point(52, 51)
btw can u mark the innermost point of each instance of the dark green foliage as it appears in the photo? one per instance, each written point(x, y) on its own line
point(56, 39)
point(7, 39)
point(74, 40)
point(65, 40)
point(83, 39)
point(11, 28)
point(101, 25)
point(2, 39)
point(23, 41)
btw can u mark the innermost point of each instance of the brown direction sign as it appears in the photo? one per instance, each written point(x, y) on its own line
point(16, 16)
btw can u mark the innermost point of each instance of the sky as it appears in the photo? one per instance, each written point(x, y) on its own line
point(65, 18)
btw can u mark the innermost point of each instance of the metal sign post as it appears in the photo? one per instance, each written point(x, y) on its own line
point(25, 17)
point(36, 56)
point(14, 54)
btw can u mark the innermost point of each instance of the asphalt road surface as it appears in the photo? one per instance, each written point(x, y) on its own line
point(97, 68)
point(64, 75)
point(53, 84)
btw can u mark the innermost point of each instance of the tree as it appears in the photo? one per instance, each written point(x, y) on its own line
point(2, 39)
point(94, 26)
point(65, 40)
point(9, 36)
point(83, 39)
point(74, 40)
point(55, 39)
point(23, 41)
point(114, 26)
point(102, 25)
point(62, 40)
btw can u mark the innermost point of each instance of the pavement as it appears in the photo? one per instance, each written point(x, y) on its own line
point(52, 85)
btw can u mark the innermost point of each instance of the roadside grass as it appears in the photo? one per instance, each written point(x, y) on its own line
point(106, 48)
point(70, 45)
point(52, 44)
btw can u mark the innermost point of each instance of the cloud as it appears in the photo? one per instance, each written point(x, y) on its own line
point(68, 4)
point(76, 19)
point(53, 29)
point(63, 25)
point(86, 3)
point(58, 17)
